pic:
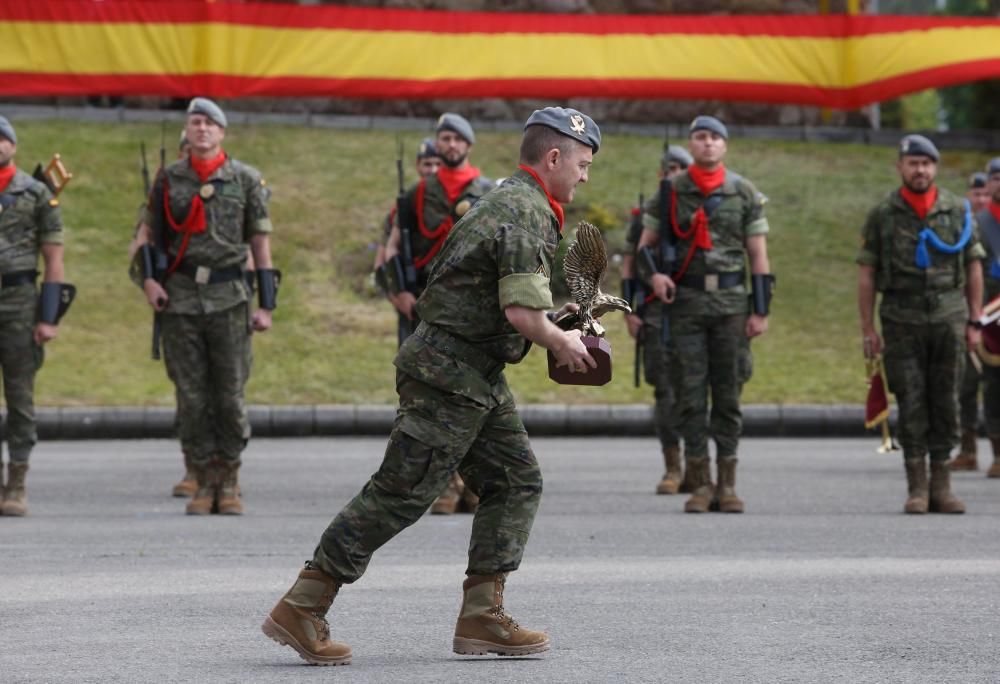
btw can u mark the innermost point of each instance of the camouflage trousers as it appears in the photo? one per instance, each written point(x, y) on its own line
point(20, 359)
point(208, 359)
point(924, 365)
point(968, 398)
point(656, 362)
point(436, 433)
point(710, 357)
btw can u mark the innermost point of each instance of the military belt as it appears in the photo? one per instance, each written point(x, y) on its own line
point(15, 278)
point(210, 276)
point(460, 350)
point(712, 282)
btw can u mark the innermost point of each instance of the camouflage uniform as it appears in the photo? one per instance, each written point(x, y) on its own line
point(923, 315)
point(206, 325)
point(29, 219)
point(709, 351)
point(456, 411)
point(989, 226)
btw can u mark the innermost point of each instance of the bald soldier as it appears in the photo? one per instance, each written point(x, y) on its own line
point(485, 304)
point(919, 249)
point(205, 213)
point(30, 225)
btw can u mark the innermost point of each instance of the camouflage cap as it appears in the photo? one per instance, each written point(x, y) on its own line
point(427, 149)
point(678, 155)
point(978, 180)
point(568, 122)
point(450, 121)
point(918, 146)
point(202, 105)
point(993, 166)
point(704, 122)
point(7, 131)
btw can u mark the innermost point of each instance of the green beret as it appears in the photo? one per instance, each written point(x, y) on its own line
point(202, 105)
point(457, 124)
point(7, 131)
point(918, 146)
point(568, 122)
point(709, 123)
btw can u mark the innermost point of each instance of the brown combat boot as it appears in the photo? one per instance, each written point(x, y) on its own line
point(726, 498)
point(941, 499)
point(994, 470)
point(230, 502)
point(299, 619)
point(15, 496)
point(203, 501)
point(671, 482)
point(470, 500)
point(966, 459)
point(188, 484)
point(483, 627)
point(916, 482)
point(701, 479)
point(447, 501)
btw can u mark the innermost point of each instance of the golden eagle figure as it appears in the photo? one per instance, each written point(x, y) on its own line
point(585, 264)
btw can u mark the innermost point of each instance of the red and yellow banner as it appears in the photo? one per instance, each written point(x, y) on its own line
point(63, 47)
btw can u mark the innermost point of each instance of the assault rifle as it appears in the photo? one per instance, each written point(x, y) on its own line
point(638, 289)
point(406, 272)
point(155, 258)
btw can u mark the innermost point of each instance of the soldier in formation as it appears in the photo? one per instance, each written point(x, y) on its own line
point(485, 304)
point(919, 249)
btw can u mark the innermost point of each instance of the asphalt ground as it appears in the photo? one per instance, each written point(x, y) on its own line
point(823, 579)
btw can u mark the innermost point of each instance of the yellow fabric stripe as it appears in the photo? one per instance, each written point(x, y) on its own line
point(183, 49)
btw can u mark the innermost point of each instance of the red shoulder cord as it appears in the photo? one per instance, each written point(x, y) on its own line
point(697, 232)
point(195, 221)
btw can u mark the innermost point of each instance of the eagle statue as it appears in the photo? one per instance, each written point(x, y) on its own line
point(584, 266)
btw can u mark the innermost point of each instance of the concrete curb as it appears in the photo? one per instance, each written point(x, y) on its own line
point(332, 420)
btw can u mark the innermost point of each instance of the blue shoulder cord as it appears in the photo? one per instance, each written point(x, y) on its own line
point(927, 235)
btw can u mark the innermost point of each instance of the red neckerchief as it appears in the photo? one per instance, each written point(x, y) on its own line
point(920, 202)
point(195, 221)
point(6, 174)
point(707, 182)
point(995, 210)
point(556, 207)
point(454, 180)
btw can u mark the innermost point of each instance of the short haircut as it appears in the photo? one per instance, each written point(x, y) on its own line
point(538, 140)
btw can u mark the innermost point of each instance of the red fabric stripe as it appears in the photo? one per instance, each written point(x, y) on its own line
point(225, 86)
point(375, 19)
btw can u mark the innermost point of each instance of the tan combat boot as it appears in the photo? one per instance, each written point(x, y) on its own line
point(203, 501)
point(447, 501)
point(727, 500)
point(483, 627)
point(230, 502)
point(966, 459)
point(15, 496)
point(941, 499)
point(470, 500)
point(701, 481)
point(671, 482)
point(299, 619)
point(188, 484)
point(994, 470)
point(916, 482)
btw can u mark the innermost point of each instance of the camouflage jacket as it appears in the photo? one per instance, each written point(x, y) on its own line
point(235, 211)
point(889, 240)
point(29, 218)
point(738, 216)
point(990, 233)
point(498, 255)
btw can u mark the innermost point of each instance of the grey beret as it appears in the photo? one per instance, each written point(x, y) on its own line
point(202, 105)
point(568, 122)
point(427, 149)
point(978, 179)
point(709, 123)
point(993, 166)
point(7, 131)
point(678, 155)
point(183, 140)
point(457, 124)
point(918, 146)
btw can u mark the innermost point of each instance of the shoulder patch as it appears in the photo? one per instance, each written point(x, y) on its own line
point(53, 202)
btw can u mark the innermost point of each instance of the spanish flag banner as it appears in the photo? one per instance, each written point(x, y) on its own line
point(222, 49)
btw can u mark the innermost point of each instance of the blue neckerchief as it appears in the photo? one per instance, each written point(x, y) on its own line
point(926, 235)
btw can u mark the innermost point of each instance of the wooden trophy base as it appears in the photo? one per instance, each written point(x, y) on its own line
point(600, 350)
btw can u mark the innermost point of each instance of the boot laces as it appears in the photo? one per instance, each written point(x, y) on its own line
point(499, 612)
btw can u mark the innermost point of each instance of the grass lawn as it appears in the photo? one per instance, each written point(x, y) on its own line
point(334, 339)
